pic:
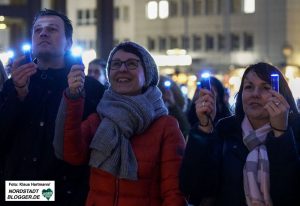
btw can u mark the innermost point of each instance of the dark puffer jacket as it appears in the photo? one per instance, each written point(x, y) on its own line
point(213, 164)
point(27, 130)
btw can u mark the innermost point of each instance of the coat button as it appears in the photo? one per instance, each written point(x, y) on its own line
point(234, 146)
point(69, 192)
point(34, 159)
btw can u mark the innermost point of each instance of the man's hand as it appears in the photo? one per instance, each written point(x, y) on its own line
point(21, 75)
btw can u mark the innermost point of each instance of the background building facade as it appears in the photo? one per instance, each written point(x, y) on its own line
point(185, 36)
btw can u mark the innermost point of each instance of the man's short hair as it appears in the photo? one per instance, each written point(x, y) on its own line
point(100, 62)
point(66, 20)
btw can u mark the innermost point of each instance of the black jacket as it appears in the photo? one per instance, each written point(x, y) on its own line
point(213, 166)
point(27, 130)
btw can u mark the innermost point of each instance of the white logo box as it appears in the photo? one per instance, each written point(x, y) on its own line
point(19, 190)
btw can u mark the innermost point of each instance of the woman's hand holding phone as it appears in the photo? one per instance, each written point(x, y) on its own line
point(76, 79)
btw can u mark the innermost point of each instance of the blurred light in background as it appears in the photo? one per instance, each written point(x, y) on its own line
point(87, 57)
point(10, 54)
point(151, 10)
point(184, 90)
point(76, 51)
point(3, 26)
point(249, 6)
point(163, 9)
point(292, 74)
point(176, 52)
point(173, 60)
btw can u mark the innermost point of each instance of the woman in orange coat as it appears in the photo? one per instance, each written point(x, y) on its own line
point(133, 147)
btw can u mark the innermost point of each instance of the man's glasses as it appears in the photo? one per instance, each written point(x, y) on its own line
point(130, 64)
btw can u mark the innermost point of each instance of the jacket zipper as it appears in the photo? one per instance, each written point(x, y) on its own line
point(116, 200)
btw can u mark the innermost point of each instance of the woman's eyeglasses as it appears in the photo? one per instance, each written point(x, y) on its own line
point(130, 64)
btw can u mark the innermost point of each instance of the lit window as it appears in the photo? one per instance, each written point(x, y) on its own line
point(163, 9)
point(249, 6)
point(151, 10)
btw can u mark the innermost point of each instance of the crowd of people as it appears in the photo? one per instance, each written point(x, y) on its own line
point(125, 135)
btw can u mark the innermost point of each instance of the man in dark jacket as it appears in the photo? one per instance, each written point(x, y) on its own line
point(28, 106)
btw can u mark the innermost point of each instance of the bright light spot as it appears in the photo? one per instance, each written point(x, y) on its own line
point(205, 75)
point(176, 52)
point(4, 57)
point(10, 54)
point(151, 10)
point(173, 60)
point(2, 18)
point(76, 51)
point(295, 85)
point(235, 81)
point(26, 47)
point(167, 83)
point(163, 9)
point(3, 26)
point(232, 100)
point(182, 78)
point(249, 6)
point(184, 89)
point(193, 78)
point(290, 72)
point(87, 57)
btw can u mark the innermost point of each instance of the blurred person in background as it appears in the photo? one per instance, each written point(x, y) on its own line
point(3, 76)
point(133, 147)
point(97, 70)
point(222, 109)
point(298, 104)
point(29, 103)
point(175, 102)
point(250, 158)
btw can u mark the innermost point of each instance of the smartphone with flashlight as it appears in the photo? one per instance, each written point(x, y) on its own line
point(167, 84)
point(77, 60)
point(275, 82)
point(27, 53)
point(76, 55)
point(205, 81)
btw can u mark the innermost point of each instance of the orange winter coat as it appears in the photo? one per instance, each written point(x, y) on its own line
point(158, 151)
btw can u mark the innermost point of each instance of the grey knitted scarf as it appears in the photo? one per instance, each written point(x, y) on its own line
point(123, 117)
